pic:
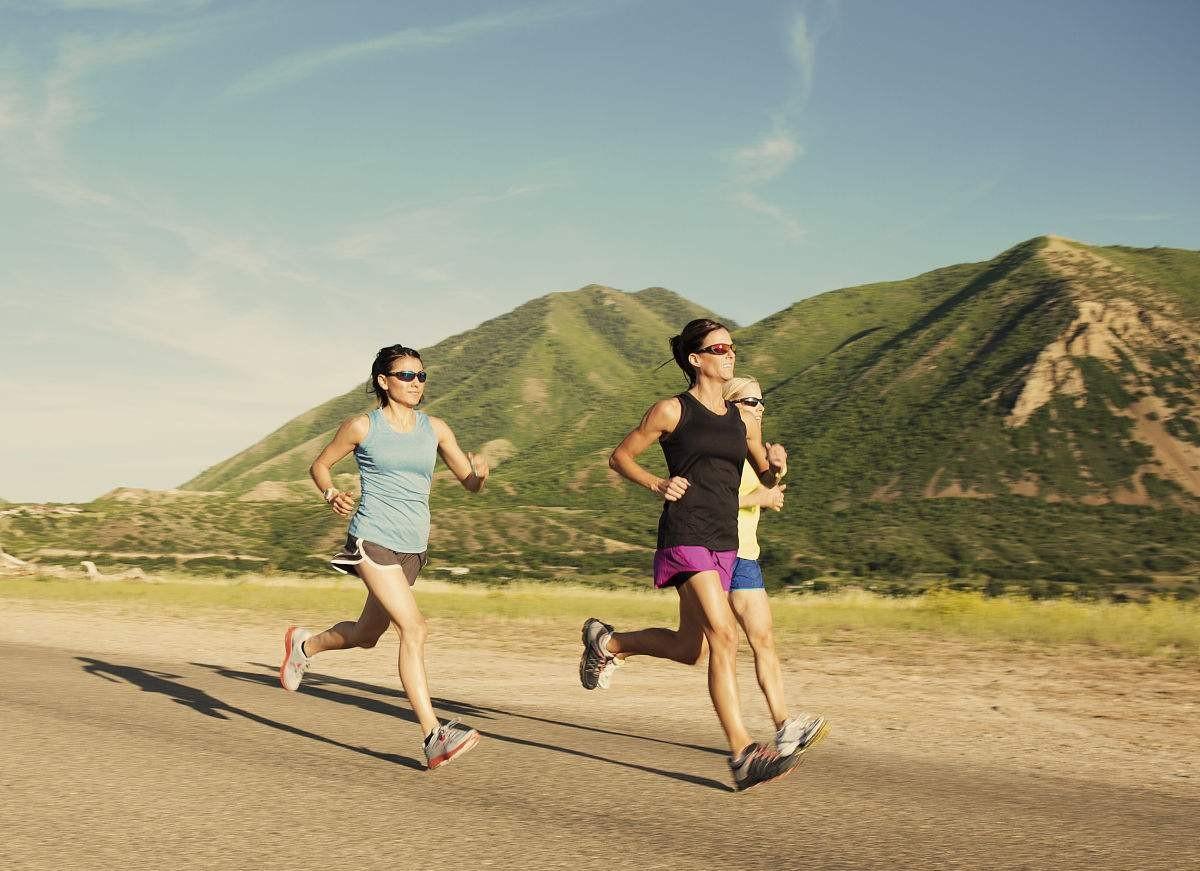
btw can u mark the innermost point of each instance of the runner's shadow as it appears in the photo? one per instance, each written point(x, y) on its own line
point(164, 683)
point(318, 684)
point(476, 711)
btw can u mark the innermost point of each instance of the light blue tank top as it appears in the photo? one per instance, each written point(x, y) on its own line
point(397, 471)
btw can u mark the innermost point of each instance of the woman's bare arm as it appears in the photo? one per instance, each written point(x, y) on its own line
point(348, 436)
point(661, 419)
point(768, 460)
point(470, 469)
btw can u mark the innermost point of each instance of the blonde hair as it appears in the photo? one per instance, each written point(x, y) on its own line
point(737, 386)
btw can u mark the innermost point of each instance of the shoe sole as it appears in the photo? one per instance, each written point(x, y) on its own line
point(447, 758)
point(817, 738)
point(583, 657)
point(778, 776)
point(287, 653)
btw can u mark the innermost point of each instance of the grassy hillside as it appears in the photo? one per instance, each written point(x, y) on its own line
point(1028, 421)
point(532, 378)
point(942, 385)
point(973, 421)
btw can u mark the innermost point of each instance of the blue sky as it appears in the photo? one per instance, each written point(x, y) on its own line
point(214, 212)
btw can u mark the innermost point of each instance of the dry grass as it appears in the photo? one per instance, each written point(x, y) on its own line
point(1161, 628)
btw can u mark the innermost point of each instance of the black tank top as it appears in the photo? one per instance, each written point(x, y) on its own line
point(708, 449)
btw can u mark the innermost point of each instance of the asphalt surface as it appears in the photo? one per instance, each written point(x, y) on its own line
point(125, 762)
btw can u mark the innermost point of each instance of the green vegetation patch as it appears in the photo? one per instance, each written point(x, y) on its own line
point(1160, 628)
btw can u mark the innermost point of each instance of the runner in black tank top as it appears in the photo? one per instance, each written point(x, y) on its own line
point(705, 443)
point(708, 450)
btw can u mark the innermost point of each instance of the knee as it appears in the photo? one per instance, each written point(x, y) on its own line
point(414, 631)
point(366, 642)
point(762, 642)
point(723, 638)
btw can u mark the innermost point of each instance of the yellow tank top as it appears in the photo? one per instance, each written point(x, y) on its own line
point(748, 517)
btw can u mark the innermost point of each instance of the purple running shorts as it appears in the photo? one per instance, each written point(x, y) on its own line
point(674, 565)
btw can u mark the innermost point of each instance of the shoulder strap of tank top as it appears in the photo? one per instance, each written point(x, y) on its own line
point(683, 414)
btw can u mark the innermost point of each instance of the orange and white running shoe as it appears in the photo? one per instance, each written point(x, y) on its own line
point(295, 663)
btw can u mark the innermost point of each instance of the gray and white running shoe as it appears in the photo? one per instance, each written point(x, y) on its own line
point(606, 674)
point(759, 763)
point(448, 741)
point(800, 733)
point(295, 663)
point(595, 659)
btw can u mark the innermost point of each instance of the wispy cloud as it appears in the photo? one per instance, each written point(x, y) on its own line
point(753, 167)
point(766, 159)
point(787, 224)
point(403, 240)
point(301, 65)
point(151, 7)
point(38, 116)
point(804, 53)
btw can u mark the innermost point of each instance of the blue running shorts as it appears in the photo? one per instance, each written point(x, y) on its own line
point(746, 575)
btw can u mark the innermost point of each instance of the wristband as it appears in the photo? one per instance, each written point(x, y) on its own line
point(329, 494)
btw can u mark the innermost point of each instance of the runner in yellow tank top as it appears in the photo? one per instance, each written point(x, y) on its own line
point(748, 593)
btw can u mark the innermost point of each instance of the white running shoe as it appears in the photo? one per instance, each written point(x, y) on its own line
point(295, 663)
point(799, 733)
point(604, 681)
point(448, 741)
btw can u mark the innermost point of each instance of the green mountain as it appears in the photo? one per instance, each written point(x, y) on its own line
point(567, 368)
point(968, 420)
point(1029, 420)
point(1055, 371)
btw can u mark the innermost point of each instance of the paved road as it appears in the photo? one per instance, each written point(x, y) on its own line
point(113, 762)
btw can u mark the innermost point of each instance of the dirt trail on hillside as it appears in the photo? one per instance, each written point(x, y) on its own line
point(139, 741)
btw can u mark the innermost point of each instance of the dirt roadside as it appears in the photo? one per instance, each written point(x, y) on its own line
point(943, 754)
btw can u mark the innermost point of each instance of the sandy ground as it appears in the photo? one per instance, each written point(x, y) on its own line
point(138, 741)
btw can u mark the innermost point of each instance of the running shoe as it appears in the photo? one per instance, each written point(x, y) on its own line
point(606, 673)
point(759, 763)
point(595, 659)
point(295, 663)
point(448, 741)
point(799, 733)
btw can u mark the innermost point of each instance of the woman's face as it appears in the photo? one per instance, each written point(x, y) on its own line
point(407, 393)
point(753, 406)
point(709, 362)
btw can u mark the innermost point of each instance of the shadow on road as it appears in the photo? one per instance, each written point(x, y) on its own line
point(458, 708)
point(166, 684)
point(320, 685)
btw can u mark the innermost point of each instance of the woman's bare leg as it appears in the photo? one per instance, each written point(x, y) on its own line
point(685, 644)
point(390, 588)
point(364, 632)
point(703, 604)
point(753, 611)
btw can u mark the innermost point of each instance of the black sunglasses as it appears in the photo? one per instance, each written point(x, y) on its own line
point(720, 349)
point(408, 375)
point(751, 401)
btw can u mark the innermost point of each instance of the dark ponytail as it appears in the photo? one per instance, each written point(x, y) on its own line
point(689, 341)
point(383, 364)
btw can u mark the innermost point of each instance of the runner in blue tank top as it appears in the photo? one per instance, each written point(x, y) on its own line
point(705, 443)
point(396, 447)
